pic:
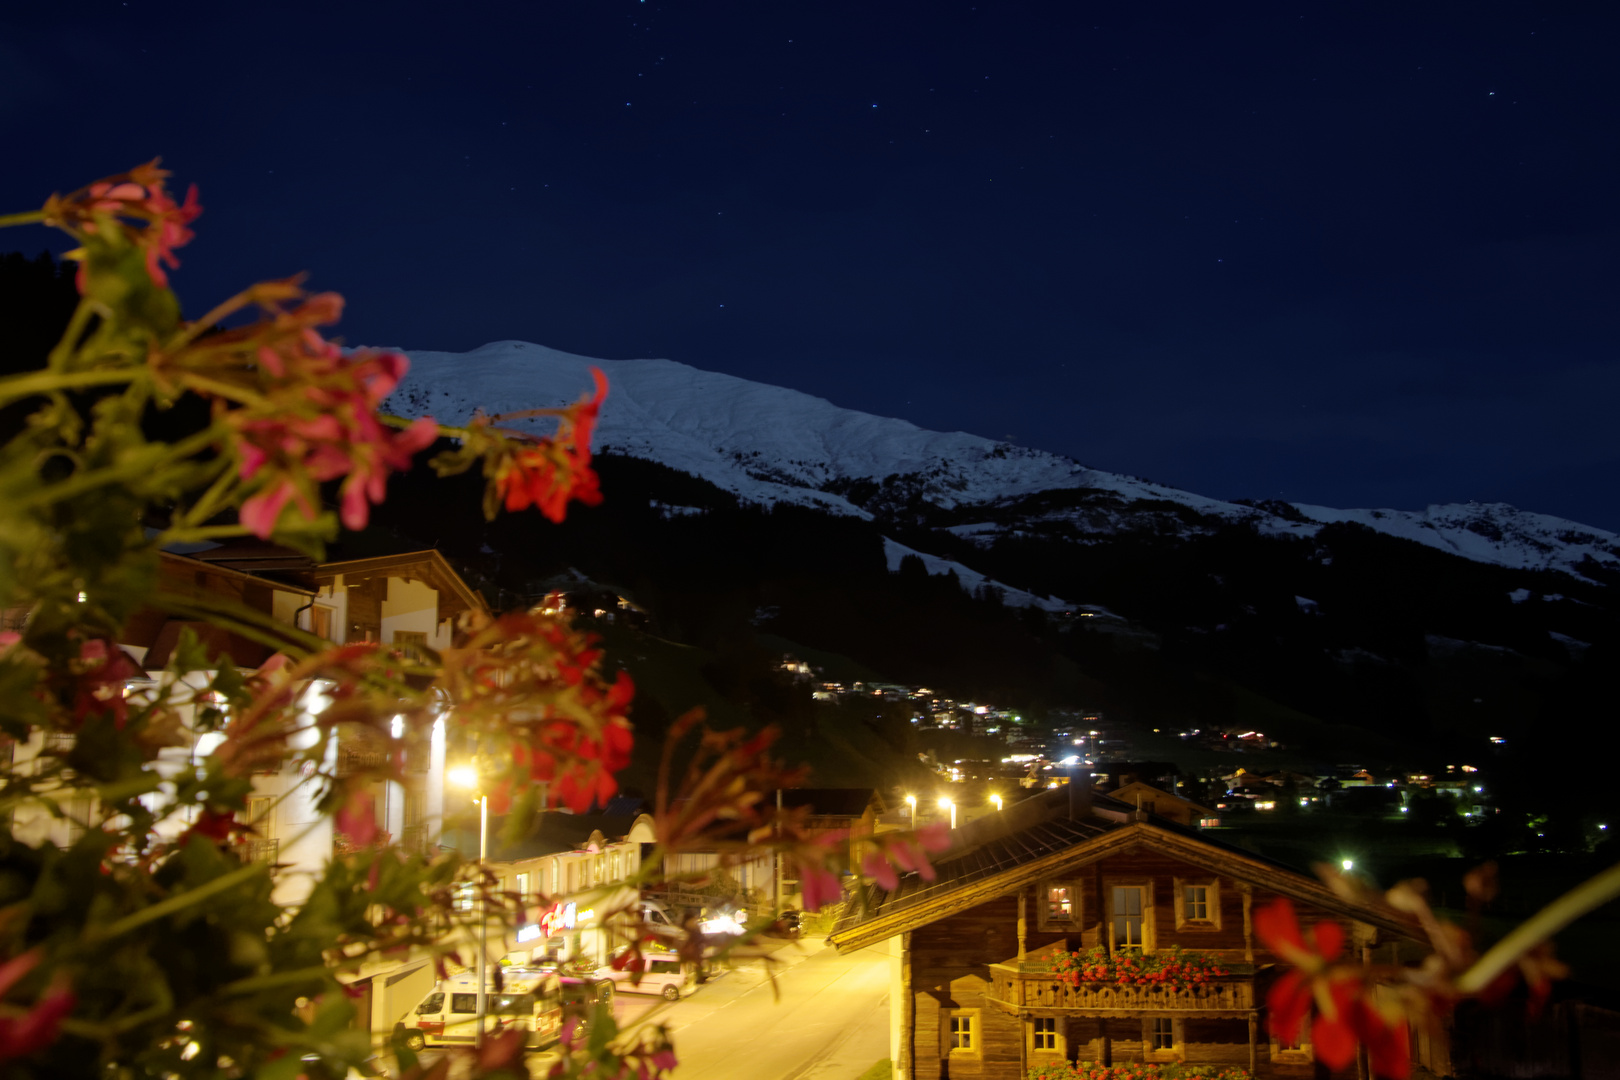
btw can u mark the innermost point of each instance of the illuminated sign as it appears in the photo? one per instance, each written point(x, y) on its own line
point(528, 933)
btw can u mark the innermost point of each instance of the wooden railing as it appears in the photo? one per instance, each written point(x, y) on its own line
point(259, 850)
point(1021, 988)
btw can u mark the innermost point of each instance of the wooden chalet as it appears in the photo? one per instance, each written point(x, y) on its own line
point(972, 992)
point(1171, 807)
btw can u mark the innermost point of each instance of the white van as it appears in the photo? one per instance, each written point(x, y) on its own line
point(664, 973)
point(448, 1014)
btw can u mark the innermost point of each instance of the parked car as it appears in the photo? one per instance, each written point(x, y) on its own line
point(586, 989)
point(662, 973)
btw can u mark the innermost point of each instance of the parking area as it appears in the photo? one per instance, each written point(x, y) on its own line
point(722, 986)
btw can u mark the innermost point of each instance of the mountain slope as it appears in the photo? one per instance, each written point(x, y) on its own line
point(771, 445)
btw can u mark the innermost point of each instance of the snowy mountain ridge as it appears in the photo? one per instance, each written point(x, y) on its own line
point(771, 445)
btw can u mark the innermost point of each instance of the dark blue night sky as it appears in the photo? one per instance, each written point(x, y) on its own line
point(1358, 254)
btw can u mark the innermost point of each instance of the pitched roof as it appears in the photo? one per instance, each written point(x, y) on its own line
point(455, 595)
point(554, 832)
point(1126, 793)
point(1003, 853)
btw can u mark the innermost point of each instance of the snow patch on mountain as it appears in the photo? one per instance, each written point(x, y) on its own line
point(772, 445)
point(971, 580)
point(1489, 533)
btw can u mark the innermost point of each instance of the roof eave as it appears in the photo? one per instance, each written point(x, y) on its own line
point(1231, 864)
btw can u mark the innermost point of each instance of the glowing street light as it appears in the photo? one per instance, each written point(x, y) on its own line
point(911, 801)
point(1348, 864)
point(997, 800)
point(946, 804)
point(466, 776)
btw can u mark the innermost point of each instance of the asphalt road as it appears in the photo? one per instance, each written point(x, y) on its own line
point(830, 1023)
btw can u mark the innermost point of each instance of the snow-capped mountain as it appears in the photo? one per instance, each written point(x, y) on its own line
point(773, 445)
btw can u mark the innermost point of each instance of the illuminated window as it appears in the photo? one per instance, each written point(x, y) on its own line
point(523, 888)
point(1295, 1047)
point(1057, 905)
point(1128, 917)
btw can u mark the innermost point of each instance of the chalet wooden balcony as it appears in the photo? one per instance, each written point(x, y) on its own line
point(1021, 988)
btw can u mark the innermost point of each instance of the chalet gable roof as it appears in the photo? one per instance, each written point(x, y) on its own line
point(1128, 794)
point(1059, 846)
point(455, 595)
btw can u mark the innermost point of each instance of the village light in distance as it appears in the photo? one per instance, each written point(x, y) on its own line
point(946, 804)
point(997, 800)
point(1348, 864)
point(464, 776)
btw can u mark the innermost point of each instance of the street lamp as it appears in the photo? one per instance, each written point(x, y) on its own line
point(467, 777)
point(997, 800)
point(911, 801)
point(1348, 864)
point(946, 804)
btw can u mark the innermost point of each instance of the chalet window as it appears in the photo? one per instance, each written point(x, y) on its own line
point(1128, 910)
point(1198, 904)
point(1043, 1033)
point(465, 895)
point(1058, 905)
point(320, 621)
point(962, 1032)
point(411, 637)
point(523, 888)
point(261, 811)
point(1292, 1048)
point(1162, 1038)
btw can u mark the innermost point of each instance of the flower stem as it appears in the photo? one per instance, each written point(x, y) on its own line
point(239, 394)
point(69, 341)
point(80, 483)
point(27, 217)
point(45, 382)
point(1539, 927)
point(205, 507)
point(400, 422)
point(164, 908)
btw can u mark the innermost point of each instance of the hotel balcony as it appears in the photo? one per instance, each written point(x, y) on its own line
point(1019, 987)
